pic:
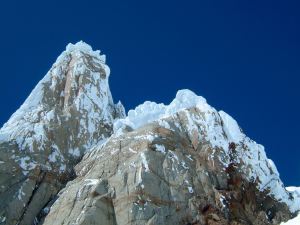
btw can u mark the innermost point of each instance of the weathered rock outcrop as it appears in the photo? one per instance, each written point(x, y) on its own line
point(184, 163)
point(68, 112)
point(193, 166)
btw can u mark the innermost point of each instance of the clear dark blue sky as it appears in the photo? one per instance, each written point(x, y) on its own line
point(242, 56)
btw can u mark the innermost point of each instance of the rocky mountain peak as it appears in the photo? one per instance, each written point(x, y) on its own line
point(73, 99)
point(181, 163)
point(69, 155)
point(70, 110)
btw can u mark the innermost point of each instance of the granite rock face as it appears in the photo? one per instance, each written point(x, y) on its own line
point(170, 172)
point(70, 156)
point(70, 110)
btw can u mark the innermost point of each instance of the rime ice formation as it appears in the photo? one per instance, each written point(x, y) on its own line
point(182, 163)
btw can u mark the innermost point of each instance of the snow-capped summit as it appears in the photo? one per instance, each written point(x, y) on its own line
point(181, 163)
point(220, 130)
point(74, 97)
point(82, 47)
point(70, 110)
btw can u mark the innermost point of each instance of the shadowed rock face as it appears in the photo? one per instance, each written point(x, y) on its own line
point(70, 110)
point(166, 173)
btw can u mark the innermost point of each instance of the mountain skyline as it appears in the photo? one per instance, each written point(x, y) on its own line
point(70, 155)
point(242, 57)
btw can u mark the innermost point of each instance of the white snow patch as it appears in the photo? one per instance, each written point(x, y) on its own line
point(231, 128)
point(295, 221)
point(183, 164)
point(2, 219)
point(223, 201)
point(53, 156)
point(131, 150)
point(26, 163)
point(164, 124)
point(74, 152)
point(160, 148)
point(62, 168)
point(148, 137)
point(139, 177)
point(20, 193)
point(50, 115)
point(293, 189)
point(144, 161)
point(189, 157)
point(91, 182)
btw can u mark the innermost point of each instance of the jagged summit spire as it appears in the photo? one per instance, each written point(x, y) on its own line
point(74, 96)
point(82, 47)
point(70, 110)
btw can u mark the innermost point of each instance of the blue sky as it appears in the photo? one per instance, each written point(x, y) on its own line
point(242, 56)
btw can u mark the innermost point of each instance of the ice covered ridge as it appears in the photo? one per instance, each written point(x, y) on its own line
point(151, 111)
point(221, 130)
point(185, 99)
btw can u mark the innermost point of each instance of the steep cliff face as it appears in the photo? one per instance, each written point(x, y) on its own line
point(69, 111)
point(182, 163)
point(185, 163)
